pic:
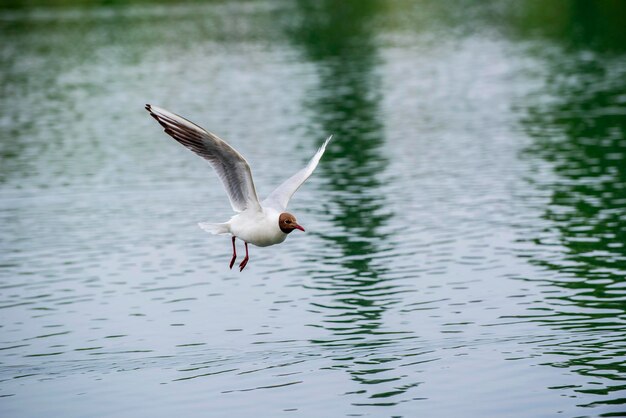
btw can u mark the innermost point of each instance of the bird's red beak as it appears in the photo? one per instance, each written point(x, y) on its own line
point(298, 227)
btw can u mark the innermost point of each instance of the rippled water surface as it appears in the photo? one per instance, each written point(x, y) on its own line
point(466, 229)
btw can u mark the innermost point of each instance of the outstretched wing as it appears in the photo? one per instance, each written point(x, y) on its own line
point(279, 198)
point(229, 165)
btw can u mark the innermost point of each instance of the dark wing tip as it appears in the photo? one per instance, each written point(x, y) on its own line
point(154, 115)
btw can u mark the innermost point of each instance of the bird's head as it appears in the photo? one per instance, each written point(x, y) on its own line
point(287, 223)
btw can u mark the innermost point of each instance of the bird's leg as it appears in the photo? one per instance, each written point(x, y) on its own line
point(232, 260)
point(245, 260)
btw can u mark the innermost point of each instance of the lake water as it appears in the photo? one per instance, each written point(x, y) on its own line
point(465, 248)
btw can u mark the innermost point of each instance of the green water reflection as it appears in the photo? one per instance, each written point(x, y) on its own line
point(579, 127)
point(338, 39)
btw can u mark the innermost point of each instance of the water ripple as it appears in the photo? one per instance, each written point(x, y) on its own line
point(466, 252)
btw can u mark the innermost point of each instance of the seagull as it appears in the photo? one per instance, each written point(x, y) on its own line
point(259, 223)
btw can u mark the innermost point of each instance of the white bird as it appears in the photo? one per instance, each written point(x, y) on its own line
point(260, 224)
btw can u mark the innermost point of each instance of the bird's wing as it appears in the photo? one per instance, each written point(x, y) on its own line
point(279, 198)
point(229, 165)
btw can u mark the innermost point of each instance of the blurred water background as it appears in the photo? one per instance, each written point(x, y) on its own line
point(465, 247)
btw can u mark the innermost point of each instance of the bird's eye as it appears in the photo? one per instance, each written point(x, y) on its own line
point(287, 221)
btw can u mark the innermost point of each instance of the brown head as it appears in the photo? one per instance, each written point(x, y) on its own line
point(287, 223)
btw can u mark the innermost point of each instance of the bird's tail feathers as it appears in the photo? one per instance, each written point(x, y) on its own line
point(213, 228)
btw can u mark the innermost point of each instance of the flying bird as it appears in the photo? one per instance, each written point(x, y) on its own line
point(259, 223)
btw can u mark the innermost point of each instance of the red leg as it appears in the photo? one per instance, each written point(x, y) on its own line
point(245, 260)
point(232, 260)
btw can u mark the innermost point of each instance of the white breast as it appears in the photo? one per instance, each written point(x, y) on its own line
point(257, 228)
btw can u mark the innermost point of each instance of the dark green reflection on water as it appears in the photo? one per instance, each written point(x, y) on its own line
point(338, 37)
point(574, 24)
point(581, 131)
